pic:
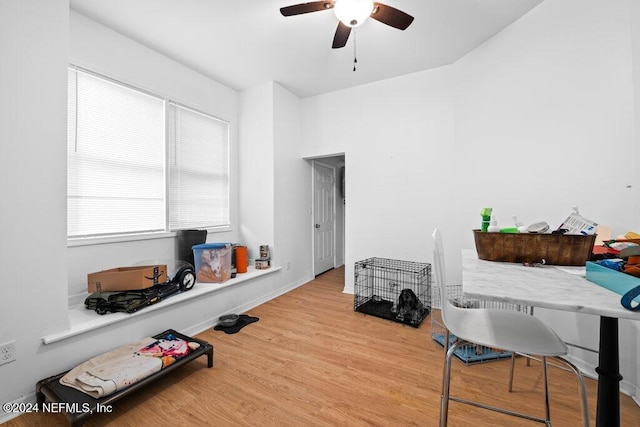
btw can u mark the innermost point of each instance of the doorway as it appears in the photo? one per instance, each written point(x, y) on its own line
point(328, 217)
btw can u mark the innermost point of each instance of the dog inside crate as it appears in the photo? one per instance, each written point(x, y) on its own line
point(409, 307)
point(393, 290)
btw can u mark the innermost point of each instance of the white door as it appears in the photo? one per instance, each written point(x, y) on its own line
point(324, 216)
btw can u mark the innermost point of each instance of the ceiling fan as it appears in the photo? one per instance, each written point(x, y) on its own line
point(352, 13)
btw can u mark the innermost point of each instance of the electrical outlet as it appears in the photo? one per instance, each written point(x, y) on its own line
point(7, 352)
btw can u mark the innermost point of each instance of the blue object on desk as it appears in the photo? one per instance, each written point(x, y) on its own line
point(620, 283)
point(614, 264)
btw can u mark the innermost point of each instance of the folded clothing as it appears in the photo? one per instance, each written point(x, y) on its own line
point(117, 369)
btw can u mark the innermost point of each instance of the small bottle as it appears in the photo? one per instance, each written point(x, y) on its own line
point(493, 227)
point(486, 217)
point(519, 225)
point(509, 230)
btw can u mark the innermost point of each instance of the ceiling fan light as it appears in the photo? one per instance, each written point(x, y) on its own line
point(353, 13)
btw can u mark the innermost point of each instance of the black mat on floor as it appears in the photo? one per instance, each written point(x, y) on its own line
point(243, 321)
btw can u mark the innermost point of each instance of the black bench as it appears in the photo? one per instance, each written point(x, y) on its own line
point(80, 405)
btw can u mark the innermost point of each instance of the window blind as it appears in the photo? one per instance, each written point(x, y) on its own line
point(138, 163)
point(198, 169)
point(115, 158)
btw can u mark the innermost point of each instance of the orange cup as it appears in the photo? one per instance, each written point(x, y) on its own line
point(241, 259)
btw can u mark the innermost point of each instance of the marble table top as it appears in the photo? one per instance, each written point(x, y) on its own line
point(555, 287)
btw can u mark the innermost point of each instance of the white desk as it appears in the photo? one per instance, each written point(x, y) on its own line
point(552, 287)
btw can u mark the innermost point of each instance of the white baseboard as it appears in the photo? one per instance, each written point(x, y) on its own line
point(29, 400)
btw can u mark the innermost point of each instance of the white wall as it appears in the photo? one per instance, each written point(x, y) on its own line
point(292, 190)
point(534, 121)
point(635, 156)
point(33, 294)
point(398, 140)
point(275, 195)
point(541, 108)
point(257, 168)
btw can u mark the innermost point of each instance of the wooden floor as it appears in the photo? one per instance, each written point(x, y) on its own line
point(312, 361)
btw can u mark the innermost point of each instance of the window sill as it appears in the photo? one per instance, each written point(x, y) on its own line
point(82, 320)
point(86, 241)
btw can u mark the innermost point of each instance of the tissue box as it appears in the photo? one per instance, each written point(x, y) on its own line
point(556, 249)
point(126, 278)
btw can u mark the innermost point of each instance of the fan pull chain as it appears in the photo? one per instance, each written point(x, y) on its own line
point(355, 59)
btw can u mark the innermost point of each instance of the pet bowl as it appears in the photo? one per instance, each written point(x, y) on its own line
point(229, 320)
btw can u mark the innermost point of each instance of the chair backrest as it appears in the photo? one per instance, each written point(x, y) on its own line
point(449, 312)
point(438, 256)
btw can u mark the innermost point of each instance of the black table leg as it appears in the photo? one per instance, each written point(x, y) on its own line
point(608, 410)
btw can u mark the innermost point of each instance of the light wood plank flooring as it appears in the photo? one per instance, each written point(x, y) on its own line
point(311, 360)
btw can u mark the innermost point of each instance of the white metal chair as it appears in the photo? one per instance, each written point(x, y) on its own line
point(566, 365)
point(505, 329)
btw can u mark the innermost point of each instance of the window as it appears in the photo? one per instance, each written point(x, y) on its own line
point(198, 169)
point(138, 163)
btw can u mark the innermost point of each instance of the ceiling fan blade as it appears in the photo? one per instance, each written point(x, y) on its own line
point(391, 16)
point(341, 36)
point(298, 9)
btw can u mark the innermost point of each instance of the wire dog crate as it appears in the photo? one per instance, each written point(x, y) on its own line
point(393, 290)
point(469, 353)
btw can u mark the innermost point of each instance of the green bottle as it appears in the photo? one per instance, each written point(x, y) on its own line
point(486, 218)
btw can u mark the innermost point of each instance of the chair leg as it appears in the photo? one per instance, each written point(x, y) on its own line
point(446, 384)
point(582, 387)
point(511, 370)
point(547, 411)
point(513, 359)
point(530, 314)
point(444, 364)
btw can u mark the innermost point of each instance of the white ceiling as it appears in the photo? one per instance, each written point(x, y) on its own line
point(244, 43)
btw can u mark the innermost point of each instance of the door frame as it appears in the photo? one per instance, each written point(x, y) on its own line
point(313, 219)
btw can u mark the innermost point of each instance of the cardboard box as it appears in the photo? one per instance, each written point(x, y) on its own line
point(126, 278)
